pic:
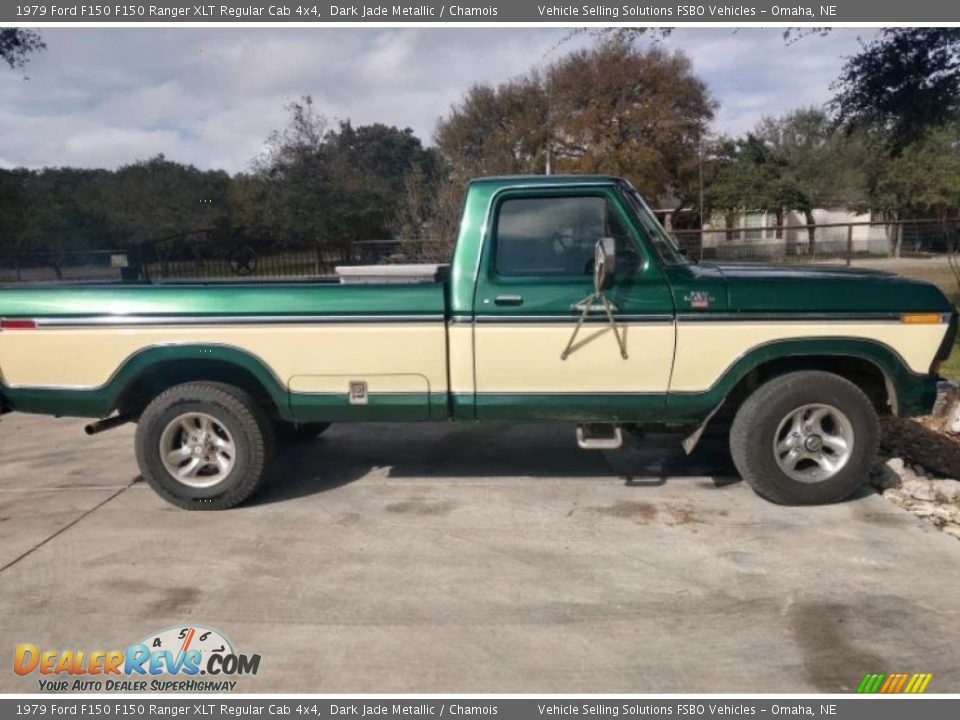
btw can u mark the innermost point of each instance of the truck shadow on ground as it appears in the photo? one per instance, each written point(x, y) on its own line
point(347, 453)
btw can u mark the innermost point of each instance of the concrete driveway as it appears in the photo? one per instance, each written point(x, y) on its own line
point(442, 558)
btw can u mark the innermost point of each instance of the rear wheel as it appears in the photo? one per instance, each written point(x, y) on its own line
point(203, 446)
point(805, 438)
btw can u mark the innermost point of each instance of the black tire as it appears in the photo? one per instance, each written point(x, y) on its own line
point(237, 413)
point(299, 433)
point(757, 422)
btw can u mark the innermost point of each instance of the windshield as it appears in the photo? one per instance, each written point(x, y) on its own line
point(658, 236)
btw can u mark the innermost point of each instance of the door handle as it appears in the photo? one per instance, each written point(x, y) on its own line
point(508, 300)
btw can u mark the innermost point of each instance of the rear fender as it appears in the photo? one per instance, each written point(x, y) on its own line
point(101, 401)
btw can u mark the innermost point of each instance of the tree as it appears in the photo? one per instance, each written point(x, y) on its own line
point(50, 211)
point(14, 238)
point(303, 135)
point(368, 166)
point(748, 176)
point(613, 108)
point(624, 111)
point(17, 44)
point(799, 161)
point(430, 206)
point(497, 130)
point(335, 185)
point(157, 198)
point(818, 165)
point(905, 81)
point(632, 34)
point(920, 182)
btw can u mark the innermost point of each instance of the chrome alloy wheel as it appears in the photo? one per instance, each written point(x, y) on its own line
point(813, 443)
point(197, 450)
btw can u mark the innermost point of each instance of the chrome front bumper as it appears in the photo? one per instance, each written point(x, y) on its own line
point(947, 390)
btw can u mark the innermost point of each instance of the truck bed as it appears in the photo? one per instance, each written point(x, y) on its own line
point(78, 350)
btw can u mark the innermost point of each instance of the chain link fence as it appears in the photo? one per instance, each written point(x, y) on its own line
point(239, 254)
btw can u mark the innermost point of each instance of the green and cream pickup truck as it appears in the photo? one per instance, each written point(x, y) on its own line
point(565, 301)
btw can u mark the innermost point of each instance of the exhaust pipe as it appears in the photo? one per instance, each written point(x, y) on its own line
point(108, 424)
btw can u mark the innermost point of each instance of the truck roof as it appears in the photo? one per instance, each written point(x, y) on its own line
point(546, 179)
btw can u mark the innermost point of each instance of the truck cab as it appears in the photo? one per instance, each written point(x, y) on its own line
point(523, 267)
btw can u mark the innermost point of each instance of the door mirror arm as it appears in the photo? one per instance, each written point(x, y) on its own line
point(604, 267)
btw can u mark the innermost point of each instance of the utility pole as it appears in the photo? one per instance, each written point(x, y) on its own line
point(700, 177)
point(549, 169)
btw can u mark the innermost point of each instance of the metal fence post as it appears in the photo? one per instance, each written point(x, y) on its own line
point(849, 245)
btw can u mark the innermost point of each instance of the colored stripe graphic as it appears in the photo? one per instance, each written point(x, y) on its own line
point(894, 683)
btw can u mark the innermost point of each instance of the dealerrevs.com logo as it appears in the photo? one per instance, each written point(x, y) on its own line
point(183, 658)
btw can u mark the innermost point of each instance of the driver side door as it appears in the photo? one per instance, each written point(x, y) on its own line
point(536, 266)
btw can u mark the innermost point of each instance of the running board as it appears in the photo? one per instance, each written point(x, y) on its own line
point(589, 439)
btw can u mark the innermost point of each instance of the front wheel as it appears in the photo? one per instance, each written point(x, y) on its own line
point(203, 446)
point(805, 438)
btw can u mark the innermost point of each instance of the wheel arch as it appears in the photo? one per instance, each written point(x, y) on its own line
point(150, 371)
point(875, 367)
point(865, 373)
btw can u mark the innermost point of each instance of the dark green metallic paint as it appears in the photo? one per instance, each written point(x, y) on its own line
point(246, 299)
point(580, 407)
point(803, 289)
point(384, 407)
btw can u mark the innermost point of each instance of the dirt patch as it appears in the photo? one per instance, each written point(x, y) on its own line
point(642, 513)
point(174, 600)
point(684, 516)
point(645, 513)
point(421, 506)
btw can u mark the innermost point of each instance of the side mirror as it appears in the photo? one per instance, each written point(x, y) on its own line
point(604, 263)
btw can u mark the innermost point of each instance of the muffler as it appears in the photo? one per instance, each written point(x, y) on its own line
point(108, 424)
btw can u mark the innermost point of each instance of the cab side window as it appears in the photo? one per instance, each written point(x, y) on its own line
point(555, 236)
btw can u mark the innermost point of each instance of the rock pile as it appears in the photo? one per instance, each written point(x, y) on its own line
point(908, 486)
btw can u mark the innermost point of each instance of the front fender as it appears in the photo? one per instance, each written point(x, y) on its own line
point(911, 394)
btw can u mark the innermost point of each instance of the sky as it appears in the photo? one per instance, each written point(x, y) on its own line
point(105, 97)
